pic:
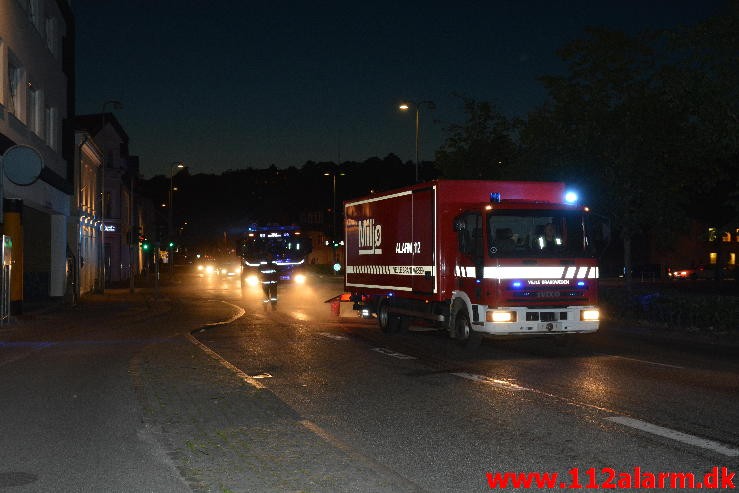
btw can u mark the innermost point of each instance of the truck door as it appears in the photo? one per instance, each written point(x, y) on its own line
point(470, 260)
point(424, 245)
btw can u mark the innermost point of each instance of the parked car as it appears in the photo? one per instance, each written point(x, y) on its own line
point(701, 272)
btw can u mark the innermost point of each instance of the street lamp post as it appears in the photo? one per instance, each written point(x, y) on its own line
point(333, 174)
point(117, 105)
point(405, 107)
point(175, 165)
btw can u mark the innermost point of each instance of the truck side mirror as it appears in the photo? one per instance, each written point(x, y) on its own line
point(463, 239)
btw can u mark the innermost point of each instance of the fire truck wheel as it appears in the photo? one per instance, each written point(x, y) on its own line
point(383, 316)
point(465, 335)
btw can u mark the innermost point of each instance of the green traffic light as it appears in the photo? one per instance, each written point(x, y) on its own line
point(145, 246)
point(171, 244)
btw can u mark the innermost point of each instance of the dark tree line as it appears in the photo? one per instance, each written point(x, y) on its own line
point(215, 206)
point(646, 125)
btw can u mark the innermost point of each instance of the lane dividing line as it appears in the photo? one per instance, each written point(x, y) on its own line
point(391, 353)
point(642, 361)
point(675, 435)
point(678, 436)
point(246, 378)
point(333, 336)
point(495, 382)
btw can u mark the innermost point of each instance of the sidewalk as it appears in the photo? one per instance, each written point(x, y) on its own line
point(48, 320)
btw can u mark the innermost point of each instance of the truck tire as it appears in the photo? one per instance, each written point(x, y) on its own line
point(383, 316)
point(465, 334)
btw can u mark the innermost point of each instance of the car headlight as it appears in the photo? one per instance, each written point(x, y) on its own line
point(590, 315)
point(209, 269)
point(300, 278)
point(200, 268)
point(252, 280)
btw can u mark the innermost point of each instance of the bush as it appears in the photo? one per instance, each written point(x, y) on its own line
point(709, 312)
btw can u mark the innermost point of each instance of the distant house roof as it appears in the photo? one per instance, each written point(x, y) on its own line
point(95, 122)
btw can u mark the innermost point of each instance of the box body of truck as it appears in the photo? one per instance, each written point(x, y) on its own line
point(473, 257)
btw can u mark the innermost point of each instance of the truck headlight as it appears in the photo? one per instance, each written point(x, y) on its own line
point(590, 315)
point(500, 316)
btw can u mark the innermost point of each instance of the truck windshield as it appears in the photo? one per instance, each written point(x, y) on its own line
point(267, 248)
point(537, 233)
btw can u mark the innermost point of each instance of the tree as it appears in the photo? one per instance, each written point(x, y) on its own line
point(614, 123)
point(481, 148)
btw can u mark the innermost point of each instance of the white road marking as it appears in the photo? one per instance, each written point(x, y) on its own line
point(642, 361)
point(495, 382)
point(392, 354)
point(246, 378)
point(675, 435)
point(624, 420)
point(259, 376)
point(333, 336)
point(238, 314)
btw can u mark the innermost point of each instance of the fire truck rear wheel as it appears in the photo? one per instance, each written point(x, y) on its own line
point(383, 316)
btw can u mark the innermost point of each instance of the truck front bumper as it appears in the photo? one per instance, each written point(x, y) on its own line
point(524, 321)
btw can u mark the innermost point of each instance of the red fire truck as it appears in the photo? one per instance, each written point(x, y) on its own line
point(474, 258)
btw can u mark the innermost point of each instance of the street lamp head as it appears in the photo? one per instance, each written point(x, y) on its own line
point(404, 107)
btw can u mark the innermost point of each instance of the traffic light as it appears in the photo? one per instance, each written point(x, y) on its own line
point(145, 245)
point(171, 244)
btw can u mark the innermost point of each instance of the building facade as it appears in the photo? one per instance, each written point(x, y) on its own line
point(36, 102)
point(84, 234)
point(119, 175)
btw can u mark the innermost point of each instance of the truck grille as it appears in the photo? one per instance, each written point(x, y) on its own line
point(547, 296)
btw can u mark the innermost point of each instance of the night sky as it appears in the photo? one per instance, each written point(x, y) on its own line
point(235, 84)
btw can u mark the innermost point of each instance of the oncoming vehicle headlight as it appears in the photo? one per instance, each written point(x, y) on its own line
point(300, 278)
point(500, 316)
point(200, 267)
point(209, 269)
point(590, 315)
point(252, 280)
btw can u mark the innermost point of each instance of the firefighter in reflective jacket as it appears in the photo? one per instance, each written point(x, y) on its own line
point(269, 275)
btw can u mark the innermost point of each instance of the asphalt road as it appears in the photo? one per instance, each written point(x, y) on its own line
point(294, 399)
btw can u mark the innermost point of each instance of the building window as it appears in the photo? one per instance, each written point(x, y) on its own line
point(36, 15)
point(712, 258)
point(108, 203)
point(23, 4)
point(14, 85)
point(52, 40)
point(732, 259)
point(726, 237)
point(34, 109)
point(50, 128)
